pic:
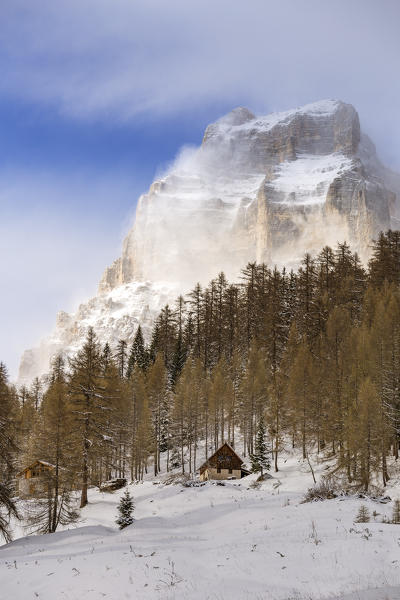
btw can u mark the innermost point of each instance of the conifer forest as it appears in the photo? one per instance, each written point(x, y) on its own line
point(313, 355)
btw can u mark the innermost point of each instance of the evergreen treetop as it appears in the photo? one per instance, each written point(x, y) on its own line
point(125, 510)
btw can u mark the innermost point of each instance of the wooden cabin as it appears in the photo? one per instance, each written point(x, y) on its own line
point(223, 464)
point(33, 480)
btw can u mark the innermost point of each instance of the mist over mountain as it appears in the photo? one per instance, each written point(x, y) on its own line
point(265, 189)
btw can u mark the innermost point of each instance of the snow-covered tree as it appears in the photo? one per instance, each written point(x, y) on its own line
point(260, 458)
point(125, 509)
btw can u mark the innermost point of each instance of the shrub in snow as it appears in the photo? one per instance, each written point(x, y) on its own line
point(396, 512)
point(177, 479)
point(125, 509)
point(324, 490)
point(363, 515)
point(193, 483)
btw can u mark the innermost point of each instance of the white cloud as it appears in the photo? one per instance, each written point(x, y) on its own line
point(119, 59)
point(131, 59)
point(57, 234)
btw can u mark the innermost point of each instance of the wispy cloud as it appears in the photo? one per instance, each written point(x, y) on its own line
point(125, 61)
point(55, 240)
point(100, 59)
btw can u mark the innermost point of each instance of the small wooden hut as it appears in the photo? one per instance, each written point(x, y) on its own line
point(223, 464)
point(33, 480)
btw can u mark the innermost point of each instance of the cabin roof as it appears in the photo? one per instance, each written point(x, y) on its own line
point(36, 462)
point(219, 450)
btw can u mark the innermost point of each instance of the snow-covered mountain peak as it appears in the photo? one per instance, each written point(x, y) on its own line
point(259, 188)
point(241, 120)
point(237, 116)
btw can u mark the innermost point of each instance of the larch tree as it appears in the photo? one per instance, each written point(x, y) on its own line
point(157, 382)
point(86, 387)
point(8, 452)
point(53, 444)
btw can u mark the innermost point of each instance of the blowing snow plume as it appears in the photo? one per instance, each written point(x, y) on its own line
point(259, 188)
point(265, 189)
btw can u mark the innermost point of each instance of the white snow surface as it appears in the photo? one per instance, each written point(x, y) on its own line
point(307, 179)
point(213, 543)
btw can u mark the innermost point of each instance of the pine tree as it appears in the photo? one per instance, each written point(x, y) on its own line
point(138, 355)
point(106, 356)
point(175, 459)
point(196, 303)
point(36, 392)
point(260, 458)
point(125, 510)
point(164, 335)
point(363, 515)
point(249, 276)
point(178, 360)
point(121, 357)
point(88, 405)
point(396, 512)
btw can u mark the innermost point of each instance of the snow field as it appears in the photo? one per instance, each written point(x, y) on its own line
point(306, 181)
point(212, 542)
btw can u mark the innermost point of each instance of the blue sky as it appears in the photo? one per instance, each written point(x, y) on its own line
point(97, 96)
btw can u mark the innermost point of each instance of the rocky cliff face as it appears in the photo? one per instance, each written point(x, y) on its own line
point(258, 188)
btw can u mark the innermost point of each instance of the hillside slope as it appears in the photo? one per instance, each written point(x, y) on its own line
point(213, 542)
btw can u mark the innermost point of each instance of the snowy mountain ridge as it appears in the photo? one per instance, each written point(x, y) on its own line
point(263, 189)
point(241, 119)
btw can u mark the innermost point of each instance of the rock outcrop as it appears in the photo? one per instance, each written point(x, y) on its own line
point(258, 188)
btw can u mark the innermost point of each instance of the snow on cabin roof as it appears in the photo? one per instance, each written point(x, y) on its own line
point(36, 462)
point(219, 449)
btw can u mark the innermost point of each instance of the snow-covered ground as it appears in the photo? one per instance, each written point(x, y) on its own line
point(213, 542)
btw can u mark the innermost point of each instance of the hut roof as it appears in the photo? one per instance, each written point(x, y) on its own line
point(218, 451)
point(34, 464)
